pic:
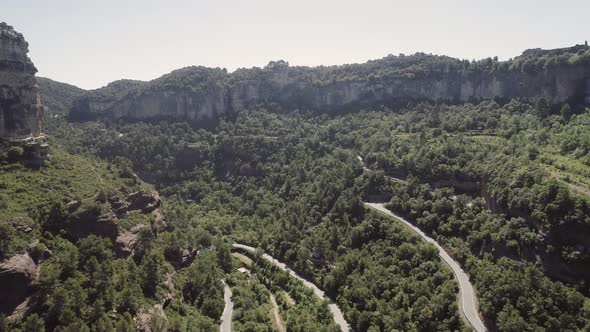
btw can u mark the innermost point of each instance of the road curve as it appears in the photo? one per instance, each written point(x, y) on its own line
point(336, 312)
point(466, 292)
point(225, 325)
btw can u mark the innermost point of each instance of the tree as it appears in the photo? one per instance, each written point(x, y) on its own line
point(5, 234)
point(566, 111)
point(542, 108)
point(104, 324)
point(151, 268)
point(533, 152)
point(124, 323)
point(510, 321)
point(3, 323)
point(15, 153)
point(34, 323)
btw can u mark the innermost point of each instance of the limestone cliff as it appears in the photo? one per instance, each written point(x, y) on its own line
point(20, 107)
point(203, 95)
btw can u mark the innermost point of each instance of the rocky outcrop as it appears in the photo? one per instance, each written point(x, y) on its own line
point(16, 277)
point(20, 107)
point(194, 94)
point(203, 95)
point(127, 240)
point(88, 218)
point(92, 220)
point(144, 201)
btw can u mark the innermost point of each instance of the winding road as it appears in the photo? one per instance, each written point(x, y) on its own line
point(467, 298)
point(227, 310)
point(336, 312)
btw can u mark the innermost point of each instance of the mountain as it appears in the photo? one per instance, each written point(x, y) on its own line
point(58, 97)
point(264, 222)
point(204, 95)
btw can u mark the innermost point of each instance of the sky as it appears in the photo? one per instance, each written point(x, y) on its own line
point(89, 43)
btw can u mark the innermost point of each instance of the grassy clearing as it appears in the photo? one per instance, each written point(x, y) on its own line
point(244, 259)
point(570, 172)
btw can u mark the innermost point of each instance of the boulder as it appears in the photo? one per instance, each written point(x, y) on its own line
point(16, 278)
point(159, 221)
point(94, 222)
point(127, 240)
point(144, 201)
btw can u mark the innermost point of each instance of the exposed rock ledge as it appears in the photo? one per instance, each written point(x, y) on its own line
point(17, 275)
point(20, 108)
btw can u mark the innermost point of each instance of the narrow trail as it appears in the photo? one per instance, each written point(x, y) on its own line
point(467, 298)
point(275, 315)
point(336, 312)
point(226, 317)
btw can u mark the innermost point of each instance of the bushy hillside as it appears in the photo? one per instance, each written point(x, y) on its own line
point(502, 187)
point(58, 97)
point(84, 245)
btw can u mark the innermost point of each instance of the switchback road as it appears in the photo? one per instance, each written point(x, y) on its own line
point(468, 300)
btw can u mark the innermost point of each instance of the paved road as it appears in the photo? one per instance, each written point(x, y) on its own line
point(336, 312)
point(468, 300)
point(228, 310)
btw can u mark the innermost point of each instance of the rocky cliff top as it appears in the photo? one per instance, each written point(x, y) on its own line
point(539, 52)
point(20, 108)
point(7, 32)
point(203, 95)
point(14, 48)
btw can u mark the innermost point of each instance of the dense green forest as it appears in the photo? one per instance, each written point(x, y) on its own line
point(504, 188)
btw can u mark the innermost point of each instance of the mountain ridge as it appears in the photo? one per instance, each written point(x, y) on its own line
point(202, 95)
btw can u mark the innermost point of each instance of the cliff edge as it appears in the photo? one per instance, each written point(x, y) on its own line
point(20, 106)
point(204, 95)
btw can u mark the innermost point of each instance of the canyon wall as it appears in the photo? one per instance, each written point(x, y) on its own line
point(202, 95)
point(20, 108)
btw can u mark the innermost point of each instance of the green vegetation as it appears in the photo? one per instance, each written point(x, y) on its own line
point(84, 283)
point(308, 313)
point(57, 97)
point(33, 201)
point(483, 180)
point(251, 308)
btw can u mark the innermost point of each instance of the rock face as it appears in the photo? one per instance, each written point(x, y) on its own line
point(203, 95)
point(85, 220)
point(20, 107)
point(16, 276)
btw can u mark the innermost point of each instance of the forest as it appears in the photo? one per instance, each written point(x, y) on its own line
point(503, 187)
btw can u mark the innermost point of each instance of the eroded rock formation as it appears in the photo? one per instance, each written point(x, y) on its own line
point(91, 219)
point(16, 276)
point(20, 107)
point(202, 95)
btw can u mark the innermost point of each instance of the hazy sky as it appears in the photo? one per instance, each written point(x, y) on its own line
point(90, 43)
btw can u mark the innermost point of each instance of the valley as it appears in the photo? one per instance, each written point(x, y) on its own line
point(212, 201)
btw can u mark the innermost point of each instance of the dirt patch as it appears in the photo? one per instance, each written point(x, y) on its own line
point(275, 315)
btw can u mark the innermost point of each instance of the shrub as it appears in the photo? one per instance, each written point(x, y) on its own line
point(15, 153)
